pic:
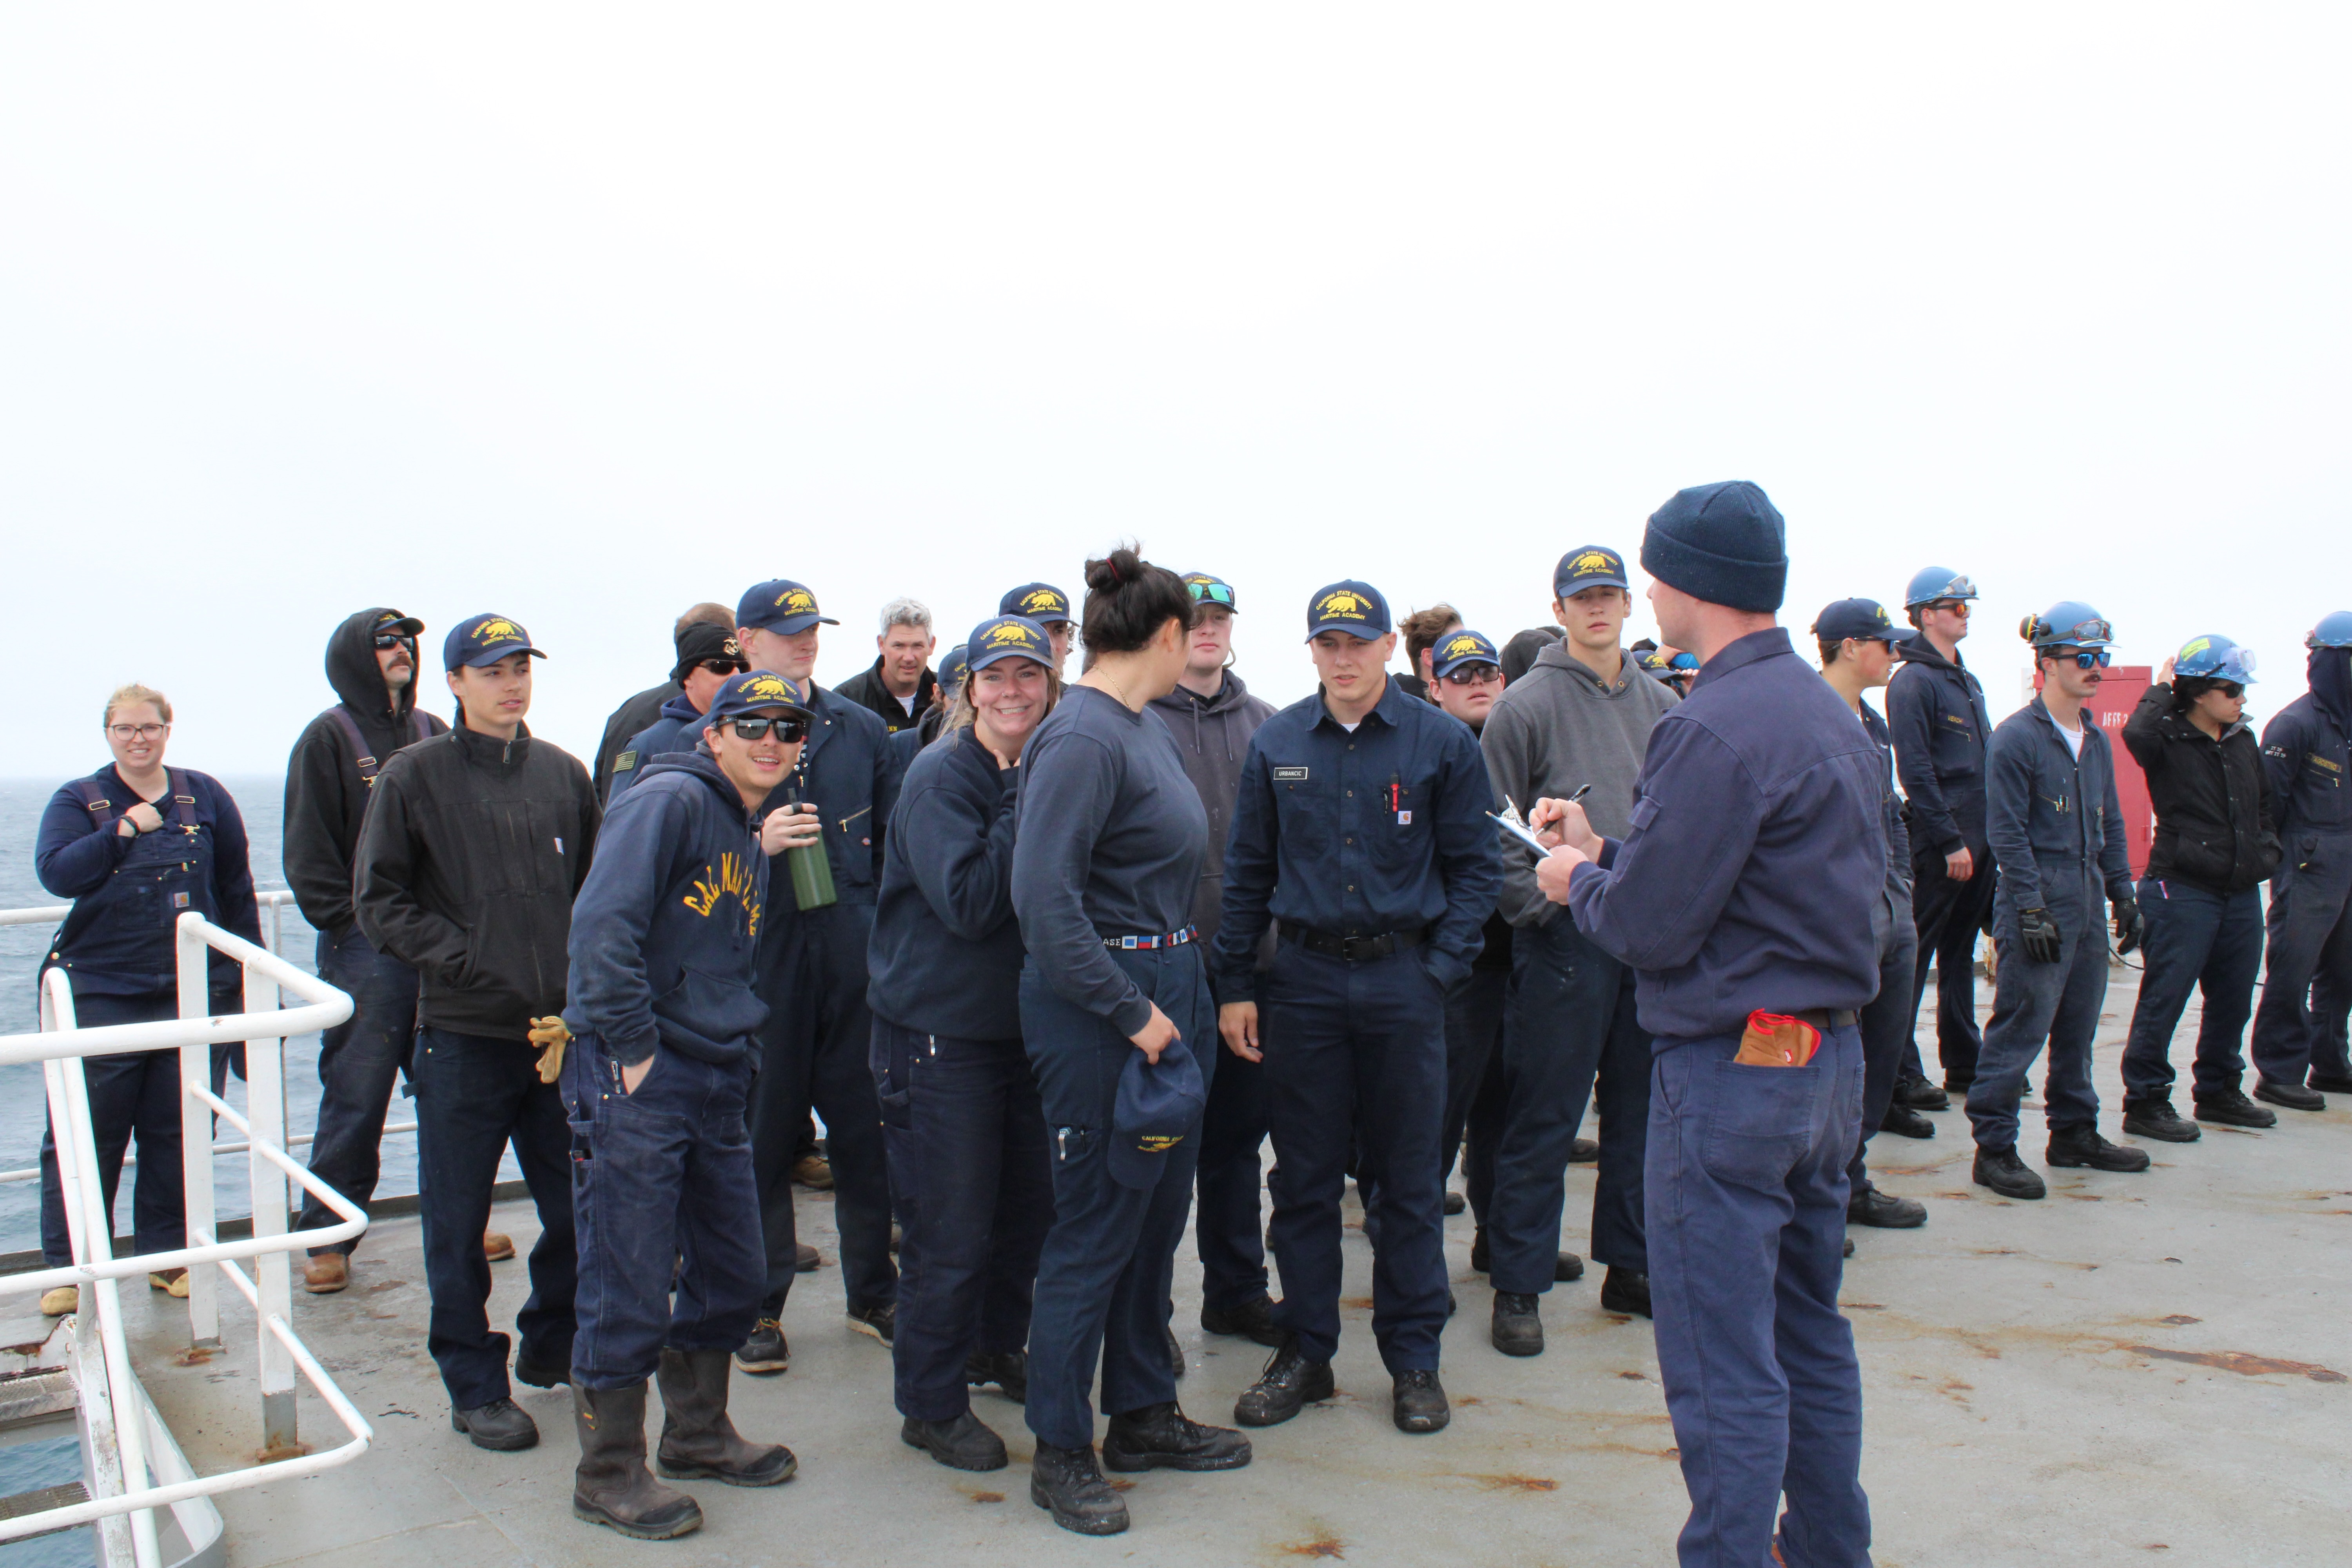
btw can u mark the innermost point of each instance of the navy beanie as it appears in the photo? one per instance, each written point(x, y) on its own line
point(1724, 543)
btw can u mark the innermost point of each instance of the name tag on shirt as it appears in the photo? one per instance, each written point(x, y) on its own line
point(1289, 775)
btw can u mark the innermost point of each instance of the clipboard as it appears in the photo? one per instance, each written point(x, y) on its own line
point(1518, 831)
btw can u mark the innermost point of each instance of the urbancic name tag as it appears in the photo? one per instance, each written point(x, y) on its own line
point(1283, 774)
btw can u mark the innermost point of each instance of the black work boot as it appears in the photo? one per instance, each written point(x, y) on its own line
point(2083, 1146)
point(1517, 1326)
point(1417, 1402)
point(2293, 1096)
point(2155, 1117)
point(1480, 1259)
point(1920, 1094)
point(1583, 1152)
point(2005, 1173)
point(612, 1487)
point(1163, 1437)
point(1905, 1123)
point(1289, 1383)
point(965, 1443)
point(1176, 1363)
point(1885, 1210)
point(765, 1354)
point(1625, 1290)
point(698, 1441)
point(1251, 1319)
point(1069, 1482)
point(1009, 1369)
point(2230, 1107)
point(1567, 1268)
point(501, 1425)
point(2332, 1083)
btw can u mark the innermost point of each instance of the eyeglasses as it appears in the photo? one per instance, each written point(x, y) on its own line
point(137, 731)
point(396, 639)
point(751, 727)
point(1956, 606)
point(2086, 657)
point(1473, 675)
point(1212, 592)
point(725, 666)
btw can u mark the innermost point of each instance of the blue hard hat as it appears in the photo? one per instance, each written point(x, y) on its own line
point(2332, 631)
point(2215, 658)
point(2069, 623)
point(1931, 584)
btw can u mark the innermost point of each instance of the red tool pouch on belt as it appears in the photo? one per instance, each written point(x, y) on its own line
point(1777, 1040)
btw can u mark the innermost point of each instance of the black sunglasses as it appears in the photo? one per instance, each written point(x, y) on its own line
point(725, 666)
point(1473, 675)
point(751, 727)
point(396, 639)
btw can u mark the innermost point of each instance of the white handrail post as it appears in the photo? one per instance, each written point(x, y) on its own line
point(265, 1111)
point(197, 1132)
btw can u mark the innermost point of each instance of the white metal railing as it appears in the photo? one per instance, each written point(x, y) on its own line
point(134, 1467)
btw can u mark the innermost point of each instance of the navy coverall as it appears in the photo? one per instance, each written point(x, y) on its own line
point(1373, 851)
point(2057, 831)
point(663, 939)
point(813, 976)
point(1886, 1023)
point(1937, 720)
point(1751, 881)
point(2307, 989)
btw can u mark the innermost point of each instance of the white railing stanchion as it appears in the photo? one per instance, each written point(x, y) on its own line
point(265, 1101)
point(196, 1131)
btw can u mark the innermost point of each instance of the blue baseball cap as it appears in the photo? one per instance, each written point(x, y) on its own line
point(1040, 602)
point(954, 666)
point(780, 605)
point(484, 639)
point(1864, 619)
point(1347, 606)
point(1157, 1107)
point(1007, 637)
point(1208, 590)
point(1457, 648)
point(753, 691)
point(1587, 566)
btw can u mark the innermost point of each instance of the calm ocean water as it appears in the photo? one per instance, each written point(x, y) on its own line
point(23, 1110)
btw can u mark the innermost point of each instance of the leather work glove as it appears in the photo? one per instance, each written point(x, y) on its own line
point(2038, 934)
point(552, 1037)
point(2131, 925)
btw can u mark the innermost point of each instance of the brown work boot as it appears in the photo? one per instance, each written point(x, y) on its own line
point(815, 1172)
point(497, 1245)
point(59, 1299)
point(698, 1440)
point(171, 1281)
point(612, 1487)
point(327, 1273)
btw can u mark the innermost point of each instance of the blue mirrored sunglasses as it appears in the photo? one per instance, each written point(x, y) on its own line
point(1212, 592)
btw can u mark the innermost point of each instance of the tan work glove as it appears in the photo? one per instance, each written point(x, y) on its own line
point(552, 1036)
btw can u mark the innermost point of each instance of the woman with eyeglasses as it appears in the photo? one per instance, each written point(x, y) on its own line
point(135, 845)
point(960, 1115)
point(2216, 844)
point(1114, 995)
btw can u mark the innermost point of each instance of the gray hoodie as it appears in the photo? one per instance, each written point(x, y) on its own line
point(1212, 735)
point(1553, 731)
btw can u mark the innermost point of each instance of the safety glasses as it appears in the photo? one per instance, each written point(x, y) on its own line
point(751, 727)
point(1212, 594)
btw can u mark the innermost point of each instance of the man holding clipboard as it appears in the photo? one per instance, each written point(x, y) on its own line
point(1741, 897)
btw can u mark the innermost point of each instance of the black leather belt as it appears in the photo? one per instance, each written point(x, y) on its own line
point(1354, 949)
point(1826, 1018)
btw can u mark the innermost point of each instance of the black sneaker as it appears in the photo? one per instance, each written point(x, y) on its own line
point(1583, 1152)
point(1163, 1437)
point(2293, 1096)
point(806, 1259)
point(1566, 1268)
point(2156, 1118)
point(1517, 1326)
point(1069, 1483)
point(963, 1444)
point(881, 1321)
point(765, 1354)
point(501, 1425)
point(1455, 1202)
point(1921, 1095)
point(1479, 1259)
point(1625, 1290)
point(1905, 1123)
point(1251, 1319)
point(1885, 1210)
point(1289, 1384)
point(2230, 1108)
point(1009, 1369)
point(1418, 1402)
point(2083, 1147)
point(2005, 1173)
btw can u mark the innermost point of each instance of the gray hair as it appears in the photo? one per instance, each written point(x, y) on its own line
point(906, 612)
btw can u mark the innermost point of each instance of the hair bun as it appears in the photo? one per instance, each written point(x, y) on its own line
point(1115, 570)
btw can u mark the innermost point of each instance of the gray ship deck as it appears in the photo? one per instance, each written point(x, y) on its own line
point(2140, 1369)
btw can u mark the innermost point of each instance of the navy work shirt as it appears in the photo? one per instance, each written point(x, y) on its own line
point(1757, 855)
point(2052, 815)
point(1359, 835)
point(2310, 766)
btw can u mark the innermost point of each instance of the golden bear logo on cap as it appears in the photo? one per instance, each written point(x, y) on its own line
point(1594, 560)
point(797, 600)
point(1041, 599)
point(496, 629)
point(1010, 636)
point(1461, 645)
point(1343, 605)
point(769, 688)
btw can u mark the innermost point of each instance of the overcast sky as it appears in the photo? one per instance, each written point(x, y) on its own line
point(582, 314)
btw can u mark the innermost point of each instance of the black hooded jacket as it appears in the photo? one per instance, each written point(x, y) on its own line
point(2216, 824)
point(1936, 710)
point(326, 793)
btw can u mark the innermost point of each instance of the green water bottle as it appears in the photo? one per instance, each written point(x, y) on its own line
point(812, 872)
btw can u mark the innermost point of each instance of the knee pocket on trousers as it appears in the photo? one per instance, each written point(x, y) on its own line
point(1760, 1122)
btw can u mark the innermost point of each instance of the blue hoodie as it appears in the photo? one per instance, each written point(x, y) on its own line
point(666, 929)
point(677, 729)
